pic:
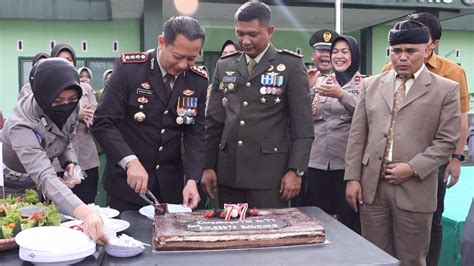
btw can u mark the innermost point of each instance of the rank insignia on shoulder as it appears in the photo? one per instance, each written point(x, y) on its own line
point(200, 71)
point(285, 51)
point(136, 57)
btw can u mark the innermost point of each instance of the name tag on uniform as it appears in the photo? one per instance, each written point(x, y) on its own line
point(145, 92)
point(229, 79)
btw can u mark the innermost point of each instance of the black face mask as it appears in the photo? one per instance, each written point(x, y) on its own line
point(60, 113)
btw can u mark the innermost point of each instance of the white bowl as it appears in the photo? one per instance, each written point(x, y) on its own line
point(123, 252)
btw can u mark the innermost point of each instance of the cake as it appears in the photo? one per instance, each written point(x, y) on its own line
point(272, 227)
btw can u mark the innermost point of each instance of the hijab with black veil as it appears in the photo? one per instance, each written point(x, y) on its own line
point(48, 79)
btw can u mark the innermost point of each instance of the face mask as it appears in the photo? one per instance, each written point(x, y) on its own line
point(60, 113)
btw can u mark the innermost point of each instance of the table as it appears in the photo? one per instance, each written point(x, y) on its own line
point(456, 206)
point(346, 248)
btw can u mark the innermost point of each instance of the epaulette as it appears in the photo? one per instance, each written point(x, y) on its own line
point(231, 54)
point(200, 71)
point(133, 57)
point(285, 51)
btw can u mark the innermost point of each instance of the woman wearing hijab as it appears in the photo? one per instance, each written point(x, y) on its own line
point(83, 142)
point(85, 75)
point(334, 101)
point(105, 77)
point(26, 89)
point(39, 129)
point(229, 47)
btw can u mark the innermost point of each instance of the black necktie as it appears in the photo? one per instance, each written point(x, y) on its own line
point(167, 81)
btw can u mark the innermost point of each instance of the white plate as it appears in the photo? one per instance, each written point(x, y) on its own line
point(53, 239)
point(149, 211)
point(110, 225)
point(105, 212)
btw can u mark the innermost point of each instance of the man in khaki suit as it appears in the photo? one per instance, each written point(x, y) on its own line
point(392, 161)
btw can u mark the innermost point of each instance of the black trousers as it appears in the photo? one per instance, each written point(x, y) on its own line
point(87, 189)
point(436, 228)
point(327, 190)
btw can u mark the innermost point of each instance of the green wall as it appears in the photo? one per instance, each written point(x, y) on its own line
point(36, 36)
point(450, 41)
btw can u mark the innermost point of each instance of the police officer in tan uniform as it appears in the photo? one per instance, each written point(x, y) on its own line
point(83, 142)
point(258, 122)
point(39, 129)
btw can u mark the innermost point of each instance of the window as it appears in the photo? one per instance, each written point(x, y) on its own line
point(97, 66)
point(84, 46)
point(19, 45)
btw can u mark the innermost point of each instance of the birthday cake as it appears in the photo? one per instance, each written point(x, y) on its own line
point(201, 231)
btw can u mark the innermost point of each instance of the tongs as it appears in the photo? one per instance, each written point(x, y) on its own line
point(150, 198)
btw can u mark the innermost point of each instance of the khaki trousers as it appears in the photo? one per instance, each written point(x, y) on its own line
point(401, 233)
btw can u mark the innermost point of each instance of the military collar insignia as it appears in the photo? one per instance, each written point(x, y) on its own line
point(200, 71)
point(136, 57)
point(188, 92)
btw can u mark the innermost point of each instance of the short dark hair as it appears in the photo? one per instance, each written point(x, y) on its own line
point(430, 21)
point(254, 10)
point(184, 25)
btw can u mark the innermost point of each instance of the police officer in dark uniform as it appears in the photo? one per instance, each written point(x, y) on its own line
point(258, 122)
point(321, 42)
point(154, 102)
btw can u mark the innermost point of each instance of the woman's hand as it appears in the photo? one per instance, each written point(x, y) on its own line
point(330, 88)
point(93, 224)
point(86, 114)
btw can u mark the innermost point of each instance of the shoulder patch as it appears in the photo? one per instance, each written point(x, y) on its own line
point(285, 51)
point(200, 71)
point(134, 57)
point(231, 54)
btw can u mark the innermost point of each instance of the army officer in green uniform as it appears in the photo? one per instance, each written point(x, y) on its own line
point(258, 122)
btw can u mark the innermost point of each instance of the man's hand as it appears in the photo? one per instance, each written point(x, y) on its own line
point(290, 185)
point(454, 170)
point(137, 177)
point(397, 173)
point(190, 194)
point(209, 182)
point(313, 75)
point(354, 194)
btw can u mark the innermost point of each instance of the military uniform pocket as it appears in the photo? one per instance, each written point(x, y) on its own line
point(274, 147)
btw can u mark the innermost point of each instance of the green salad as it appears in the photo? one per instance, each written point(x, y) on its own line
point(11, 220)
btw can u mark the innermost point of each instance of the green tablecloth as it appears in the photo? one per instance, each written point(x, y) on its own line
point(456, 206)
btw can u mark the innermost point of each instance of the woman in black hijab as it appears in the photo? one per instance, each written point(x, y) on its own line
point(229, 47)
point(39, 129)
point(334, 101)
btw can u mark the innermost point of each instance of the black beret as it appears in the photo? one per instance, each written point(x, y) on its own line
point(408, 31)
point(322, 39)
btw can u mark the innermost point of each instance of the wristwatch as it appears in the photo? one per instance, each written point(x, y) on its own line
point(460, 157)
point(297, 172)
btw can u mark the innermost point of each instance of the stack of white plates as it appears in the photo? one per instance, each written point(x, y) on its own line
point(54, 244)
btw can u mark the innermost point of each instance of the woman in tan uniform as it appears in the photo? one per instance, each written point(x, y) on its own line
point(39, 129)
point(334, 101)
